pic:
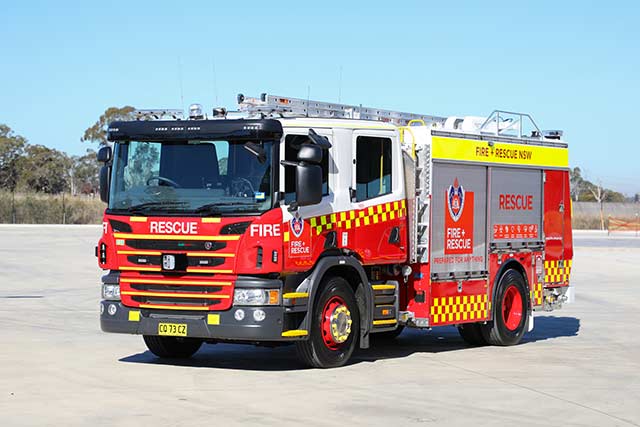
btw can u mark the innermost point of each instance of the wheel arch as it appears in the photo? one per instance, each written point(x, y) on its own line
point(352, 271)
point(511, 264)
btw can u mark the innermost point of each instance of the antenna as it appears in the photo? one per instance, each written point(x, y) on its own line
point(180, 80)
point(340, 85)
point(215, 83)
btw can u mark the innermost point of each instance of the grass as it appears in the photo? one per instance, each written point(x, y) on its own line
point(38, 208)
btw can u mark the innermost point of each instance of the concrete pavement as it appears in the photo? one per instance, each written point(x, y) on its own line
point(580, 365)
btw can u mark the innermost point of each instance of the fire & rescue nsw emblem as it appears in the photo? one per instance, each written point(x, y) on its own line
point(455, 200)
point(297, 226)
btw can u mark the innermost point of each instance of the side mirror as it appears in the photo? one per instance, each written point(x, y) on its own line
point(308, 185)
point(104, 154)
point(105, 171)
point(310, 154)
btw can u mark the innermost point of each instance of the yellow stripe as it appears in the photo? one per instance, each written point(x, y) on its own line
point(174, 282)
point(139, 253)
point(295, 333)
point(385, 322)
point(290, 295)
point(173, 295)
point(172, 307)
point(138, 219)
point(207, 270)
point(140, 268)
point(173, 237)
point(211, 254)
point(382, 287)
point(211, 220)
point(500, 152)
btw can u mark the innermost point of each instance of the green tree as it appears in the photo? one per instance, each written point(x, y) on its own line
point(84, 173)
point(11, 152)
point(576, 183)
point(144, 162)
point(45, 169)
point(98, 132)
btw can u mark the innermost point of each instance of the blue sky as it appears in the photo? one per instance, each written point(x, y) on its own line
point(573, 65)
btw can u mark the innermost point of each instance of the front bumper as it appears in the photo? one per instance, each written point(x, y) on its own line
point(207, 325)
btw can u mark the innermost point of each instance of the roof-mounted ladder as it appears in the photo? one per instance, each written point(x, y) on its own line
point(268, 105)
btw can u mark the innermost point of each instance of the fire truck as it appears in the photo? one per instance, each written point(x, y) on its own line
point(327, 226)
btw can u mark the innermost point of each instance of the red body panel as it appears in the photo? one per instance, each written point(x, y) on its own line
point(364, 231)
point(216, 255)
point(557, 229)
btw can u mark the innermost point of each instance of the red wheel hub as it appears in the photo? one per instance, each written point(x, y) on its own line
point(336, 323)
point(512, 308)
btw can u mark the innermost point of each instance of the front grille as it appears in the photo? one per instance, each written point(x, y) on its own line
point(171, 292)
point(173, 288)
point(193, 261)
point(175, 245)
point(182, 302)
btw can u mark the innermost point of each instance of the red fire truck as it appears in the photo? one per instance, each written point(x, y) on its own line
point(324, 225)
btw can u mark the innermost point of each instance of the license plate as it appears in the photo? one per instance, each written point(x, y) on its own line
point(172, 329)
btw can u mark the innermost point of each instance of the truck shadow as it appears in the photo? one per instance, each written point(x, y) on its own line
point(411, 341)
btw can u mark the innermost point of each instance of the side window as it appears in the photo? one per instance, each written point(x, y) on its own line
point(373, 167)
point(292, 144)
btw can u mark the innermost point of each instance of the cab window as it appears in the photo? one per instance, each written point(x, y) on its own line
point(373, 167)
point(292, 144)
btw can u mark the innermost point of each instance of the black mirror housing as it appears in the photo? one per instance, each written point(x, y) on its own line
point(105, 172)
point(310, 154)
point(104, 154)
point(308, 185)
point(319, 140)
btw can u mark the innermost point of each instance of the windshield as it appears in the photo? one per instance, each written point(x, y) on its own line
point(208, 177)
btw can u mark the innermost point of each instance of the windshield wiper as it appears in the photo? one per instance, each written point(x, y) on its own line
point(144, 207)
point(215, 207)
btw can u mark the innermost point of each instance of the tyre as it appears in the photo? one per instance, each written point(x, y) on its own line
point(510, 311)
point(172, 347)
point(471, 333)
point(335, 326)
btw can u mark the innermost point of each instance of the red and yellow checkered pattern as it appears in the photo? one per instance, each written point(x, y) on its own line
point(358, 218)
point(537, 294)
point(459, 308)
point(557, 271)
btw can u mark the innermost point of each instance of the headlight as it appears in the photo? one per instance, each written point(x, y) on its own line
point(256, 297)
point(111, 292)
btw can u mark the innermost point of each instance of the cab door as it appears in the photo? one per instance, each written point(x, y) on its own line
point(376, 226)
point(303, 242)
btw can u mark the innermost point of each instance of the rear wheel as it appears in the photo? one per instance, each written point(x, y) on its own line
point(471, 333)
point(510, 311)
point(172, 347)
point(335, 325)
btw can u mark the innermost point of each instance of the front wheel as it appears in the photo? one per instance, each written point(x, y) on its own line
point(335, 325)
point(172, 347)
point(510, 312)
